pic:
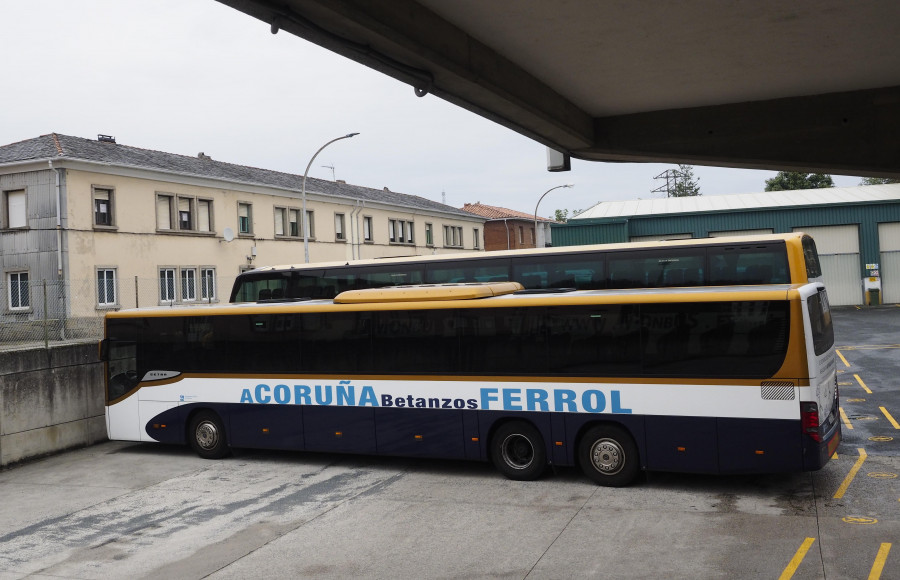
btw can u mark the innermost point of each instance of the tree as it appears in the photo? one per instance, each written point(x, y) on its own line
point(685, 183)
point(878, 180)
point(787, 180)
point(562, 215)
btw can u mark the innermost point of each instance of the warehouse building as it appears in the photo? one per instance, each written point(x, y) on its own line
point(857, 230)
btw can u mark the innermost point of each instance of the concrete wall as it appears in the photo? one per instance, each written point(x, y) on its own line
point(50, 400)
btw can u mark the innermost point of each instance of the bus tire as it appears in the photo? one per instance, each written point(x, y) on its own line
point(206, 435)
point(518, 451)
point(609, 456)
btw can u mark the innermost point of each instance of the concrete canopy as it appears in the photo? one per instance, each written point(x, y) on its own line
point(808, 85)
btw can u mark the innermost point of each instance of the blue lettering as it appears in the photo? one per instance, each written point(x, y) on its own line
point(323, 395)
point(260, 389)
point(564, 397)
point(246, 397)
point(511, 396)
point(400, 402)
point(488, 395)
point(346, 394)
point(470, 403)
point(536, 399)
point(367, 397)
point(301, 395)
point(617, 404)
point(387, 401)
point(282, 394)
point(593, 401)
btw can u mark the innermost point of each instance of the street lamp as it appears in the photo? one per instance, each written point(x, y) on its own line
point(303, 221)
point(539, 203)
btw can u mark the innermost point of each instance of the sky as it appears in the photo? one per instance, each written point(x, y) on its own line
point(190, 76)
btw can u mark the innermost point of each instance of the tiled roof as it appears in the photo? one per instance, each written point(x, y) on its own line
point(493, 212)
point(56, 146)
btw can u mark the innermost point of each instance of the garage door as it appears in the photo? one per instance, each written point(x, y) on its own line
point(838, 248)
point(889, 243)
point(739, 233)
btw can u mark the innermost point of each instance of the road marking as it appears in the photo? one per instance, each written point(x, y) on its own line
point(870, 346)
point(844, 418)
point(889, 418)
point(881, 438)
point(846, 364)
point(877, 475)
point(798, 558)
point(853, 471)
point(862, 384)
point(854, 400)
point(880, 559)
point(863, 521)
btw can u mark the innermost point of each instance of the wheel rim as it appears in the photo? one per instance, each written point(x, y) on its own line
point(517, 451)
point(207, 435)
point(607, 456)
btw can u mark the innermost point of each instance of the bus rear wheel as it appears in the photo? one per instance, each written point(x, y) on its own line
point(518, 452)
point(207, 435)
point(609, 456)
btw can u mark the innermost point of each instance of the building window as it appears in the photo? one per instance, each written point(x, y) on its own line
point(367, 228)
point(188, 285)
point(167, 284)
point(521, 235)
point(245, 221)
point(294, 223)
point(19, 295)
point(476, 239)
point(15, 209)
point(310, 224)
point(453, 236)
point(429, 235)
point(185, 214)
point(279, 221)
point(103, 207)
point(106, 287)
point(163, 212)
point(400, 232)
point(204, 215)
point(339, 233)
point(208, 284)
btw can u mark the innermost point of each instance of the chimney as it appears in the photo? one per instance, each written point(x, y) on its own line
point(204, 156)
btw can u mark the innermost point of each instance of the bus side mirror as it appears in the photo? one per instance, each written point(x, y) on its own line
point(103, 350)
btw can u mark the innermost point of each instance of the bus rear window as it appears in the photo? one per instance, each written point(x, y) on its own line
point(811, 256)
point(820, 321)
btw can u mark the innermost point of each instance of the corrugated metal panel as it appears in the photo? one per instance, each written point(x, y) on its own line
point(658, 237)
point(740, 233)
point(889, 237)
point(890, 277)
point(834, 239)
point(744, 201)
point(842, 278)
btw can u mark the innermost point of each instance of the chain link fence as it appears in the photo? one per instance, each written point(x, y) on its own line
point(52, 311)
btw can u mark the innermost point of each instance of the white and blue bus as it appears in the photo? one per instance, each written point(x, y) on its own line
point(734, 379)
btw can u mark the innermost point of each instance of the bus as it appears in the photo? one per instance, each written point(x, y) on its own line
point(759, 259)
point(733, 379)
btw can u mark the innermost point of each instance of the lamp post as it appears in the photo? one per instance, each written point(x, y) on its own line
point(303, 221)
point(539, 203)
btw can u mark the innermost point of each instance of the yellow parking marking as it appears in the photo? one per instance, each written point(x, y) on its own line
point(870, 347)
point(798, 558)
point(846, 364)
point(880, 559)
point(862, 384)
point(889, 418)
point(853, 471)
point(845, 419)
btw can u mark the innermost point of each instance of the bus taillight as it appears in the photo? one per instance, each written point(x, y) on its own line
point(809, 416)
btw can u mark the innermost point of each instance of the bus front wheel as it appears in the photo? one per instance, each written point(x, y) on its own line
point(207, 435)
point(518, 452)
point(609, 456)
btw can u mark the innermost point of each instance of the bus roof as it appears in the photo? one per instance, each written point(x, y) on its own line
point(530, 251)
point(415, 298)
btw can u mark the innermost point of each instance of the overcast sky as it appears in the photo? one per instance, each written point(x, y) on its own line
point(185, 76)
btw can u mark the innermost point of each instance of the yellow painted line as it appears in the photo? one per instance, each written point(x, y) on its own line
point(880, 559)
point(889, 418)
point(844, 418)
point(862, 384)
point(798, 558)
point(846, 364)
point(853, 471)
point(870, 347)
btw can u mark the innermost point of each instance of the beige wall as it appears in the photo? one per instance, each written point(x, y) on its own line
point(135, 248)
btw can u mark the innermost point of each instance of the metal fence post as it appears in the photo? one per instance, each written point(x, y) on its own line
point(46, 330)
point(137, 303)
